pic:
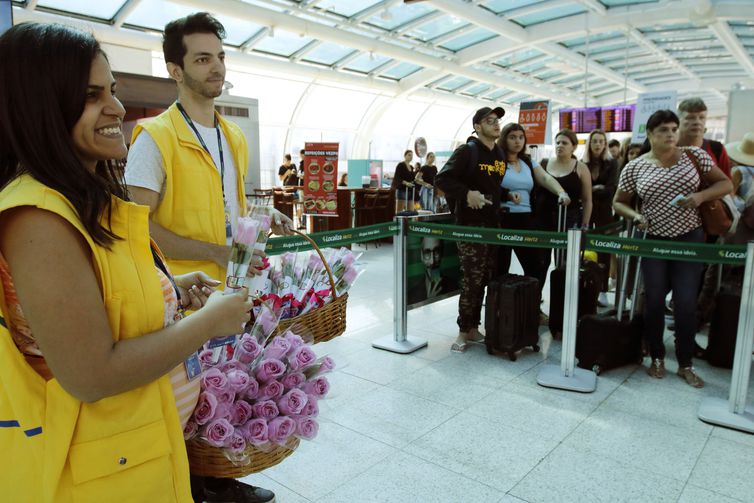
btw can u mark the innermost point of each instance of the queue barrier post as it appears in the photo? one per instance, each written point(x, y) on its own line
point(400, 341)
point(734, 413)
point(567, 376)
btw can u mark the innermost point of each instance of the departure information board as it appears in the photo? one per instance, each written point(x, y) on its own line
point(611, 119)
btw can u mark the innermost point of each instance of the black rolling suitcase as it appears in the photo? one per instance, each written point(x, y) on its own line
point(607, 341)
point(511, 318)
point(723, 329)
point(409, 211)
point(590, 283)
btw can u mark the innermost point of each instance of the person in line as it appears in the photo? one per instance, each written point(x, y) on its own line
point(614, 147)
point(343, 182)
point(633, 150)
point(472, 179)
point(302, 155)
point(604, 171)
point(741, 154)
point(425, 178)
point(658, 178)
point(90, 323)
point(692, 112)
point(403, 180)
point(522, 174)
point(188, 166)
point(287, 173)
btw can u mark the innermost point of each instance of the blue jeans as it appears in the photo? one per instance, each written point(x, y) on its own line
point(660, 276)
point(427, 198)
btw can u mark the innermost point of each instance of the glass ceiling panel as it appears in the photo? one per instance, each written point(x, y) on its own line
point(469, 39)
point(594, 38)
point(399, 14)
point(327, 53)
point(284, 43)
point(498, 6)
point(668, 27)
point(618, 3)
point(498, 94)
point(454, 83)
point(365, 63)
point(101, 9)
point(400, 71)
point(549, 15)
point(348, 8)
point(440, 26)
point(474, 90)
point(518, 57)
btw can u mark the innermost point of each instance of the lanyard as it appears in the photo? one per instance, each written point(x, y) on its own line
point(204, 145)
point(159, 263)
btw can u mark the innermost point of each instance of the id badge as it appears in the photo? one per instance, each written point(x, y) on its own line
point(193, 367)
point(228, 226)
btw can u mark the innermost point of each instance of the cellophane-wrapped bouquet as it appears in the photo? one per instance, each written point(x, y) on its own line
point(297, 283)
point(260, 392)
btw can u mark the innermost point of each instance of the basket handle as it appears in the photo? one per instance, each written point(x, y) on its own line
point(324, 262)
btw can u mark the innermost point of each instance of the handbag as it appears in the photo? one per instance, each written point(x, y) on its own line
point(719, 216)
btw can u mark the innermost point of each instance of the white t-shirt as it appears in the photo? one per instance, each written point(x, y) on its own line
point(145, 169)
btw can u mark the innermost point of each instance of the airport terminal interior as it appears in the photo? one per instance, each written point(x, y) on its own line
point(381, 77)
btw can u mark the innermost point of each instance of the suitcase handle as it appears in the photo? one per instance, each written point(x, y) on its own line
point(624, 279)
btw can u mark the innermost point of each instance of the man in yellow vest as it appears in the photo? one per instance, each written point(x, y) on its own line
point(188, 165)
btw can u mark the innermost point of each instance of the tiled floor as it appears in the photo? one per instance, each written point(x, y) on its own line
point(434, 426)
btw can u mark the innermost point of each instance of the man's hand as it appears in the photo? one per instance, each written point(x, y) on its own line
point(281, 224)
point(475, 200)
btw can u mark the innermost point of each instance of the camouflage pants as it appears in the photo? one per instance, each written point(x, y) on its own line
point(477, 267)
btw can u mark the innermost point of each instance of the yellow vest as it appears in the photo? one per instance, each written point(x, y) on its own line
point(127, 447)
point(192, 206)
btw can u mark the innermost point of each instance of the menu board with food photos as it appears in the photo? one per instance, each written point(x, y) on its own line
point(321, 179)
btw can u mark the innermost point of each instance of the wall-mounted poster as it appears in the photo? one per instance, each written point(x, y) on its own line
point(321, 179)
point(534, 116)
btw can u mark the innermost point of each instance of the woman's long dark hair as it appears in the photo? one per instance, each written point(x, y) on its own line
point(503, 141)
point(44, 75)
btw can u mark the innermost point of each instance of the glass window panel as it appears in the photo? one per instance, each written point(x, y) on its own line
point(399, 119)
point(284, 43)
point(366, 62)
point(333, 108)
point(348, 8)
point(273, 110)
point(271, 145)
point(498, 6)
point(399, 14)
point(474, 90)
point(668, 27)
point(594, 38)
point(497, 94)
point(438, 27)
point(469, 39)
point(550, 74)
point(299, 136)
point(327, 53)
point(517, 57)
point(549, 15)
point(454, 83)
point(440, 124)
point(102, 9)
point(400, 71)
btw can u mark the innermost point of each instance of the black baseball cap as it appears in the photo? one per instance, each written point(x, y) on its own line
point(484, 112)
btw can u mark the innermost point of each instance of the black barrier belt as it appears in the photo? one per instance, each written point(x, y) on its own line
point(332, 239)
point(490, 235)
point(675, 250)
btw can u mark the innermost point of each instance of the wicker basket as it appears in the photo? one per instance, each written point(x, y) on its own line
point(326, 322)
point(208, 461)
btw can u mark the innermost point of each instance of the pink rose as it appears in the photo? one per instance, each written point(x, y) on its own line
point(311, 409)
point(280, 428)
point(266, 322)
point(247, 349)
point(293, 380)
point(350, 275)
point(266, 409)
point(240, 412)
point(190, 430)
point(214, 381)
point(255, 431)
point(228, 396)
point(252, 390)
point(294, 340)
point(348, 259)
point(207, 358)
point(239, 380)
point(205, 408)
point(292, 402)
point(226, 367)
point(224, 410)
point(269, 369)
point(306, 428)
point(272, 389)
point(318, 387)
point(326, 365)
point(277, 348)
point(247, 231)
point(236, 443)
point(217, 432)
point(301, 358)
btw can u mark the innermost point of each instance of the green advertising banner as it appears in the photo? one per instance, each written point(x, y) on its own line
point(489, 235)
point(332, 239)
point(690, 252)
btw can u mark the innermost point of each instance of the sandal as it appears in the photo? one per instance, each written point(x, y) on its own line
point(458, 348)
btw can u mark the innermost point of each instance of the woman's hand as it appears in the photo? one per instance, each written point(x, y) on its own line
point(641, 221)
point(195, 288)
point(691, 201)
point(229, 312)
point(257, 263)
point(280, 224)
point(564, 199)
point(514, 197)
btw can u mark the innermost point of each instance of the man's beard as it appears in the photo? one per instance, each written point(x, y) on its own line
point(201, 88)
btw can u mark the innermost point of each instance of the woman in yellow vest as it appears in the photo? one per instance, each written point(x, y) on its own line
point(87, 412)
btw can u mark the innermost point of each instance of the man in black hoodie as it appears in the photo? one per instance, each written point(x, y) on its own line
point(472, 178)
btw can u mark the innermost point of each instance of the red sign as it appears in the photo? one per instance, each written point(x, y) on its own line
point(321, 179)
point(533, 115)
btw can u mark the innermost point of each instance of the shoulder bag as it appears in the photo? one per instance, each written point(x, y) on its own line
point(719, 216)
